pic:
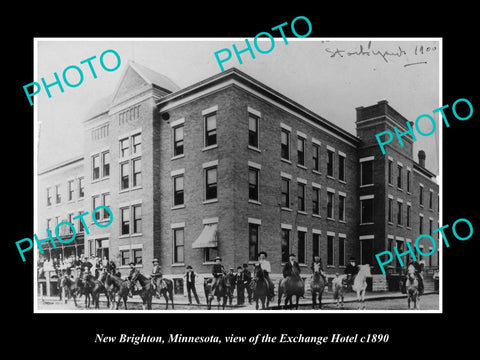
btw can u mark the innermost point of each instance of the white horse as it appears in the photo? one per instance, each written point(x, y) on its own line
point(411, 283)
point(360, 284)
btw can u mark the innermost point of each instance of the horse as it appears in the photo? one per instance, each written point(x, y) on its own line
point(317, 285)
point(115, 285)
point(220, 292)
point(165, 291)
point(411, 283)
point(339, 287)
point(72, 287)
point(86, 289)
point(260, 287)
point(360, 284)
point(96, 287)
point(147, 291)
point(290, 286)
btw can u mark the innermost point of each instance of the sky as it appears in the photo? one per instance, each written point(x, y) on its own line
point(327, 76)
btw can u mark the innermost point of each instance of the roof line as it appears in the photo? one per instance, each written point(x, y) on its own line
point(60, 165)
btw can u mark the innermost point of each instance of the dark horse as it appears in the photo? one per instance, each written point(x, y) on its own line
point(148, 290)
point(230, 284)
point(317, 285)
point(220, 292)
point(260, 287)
point(73, 287)
point(290, 286)
point(96, 287)
point(114, 285)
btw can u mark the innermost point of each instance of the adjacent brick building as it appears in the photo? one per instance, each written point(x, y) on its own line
point(229, 167)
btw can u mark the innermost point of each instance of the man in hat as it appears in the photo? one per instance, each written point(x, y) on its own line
point(267, 269)
point(218, 271)
point(318, 267)
point(248, 278)
point(131, 275)
point(418, 273)
point(351, 270)
point(291, 266)
point(240, 283)
point(157, 274)
point(190, 278)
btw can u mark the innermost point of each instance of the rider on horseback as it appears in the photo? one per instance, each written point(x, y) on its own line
point(217, 271)
point(267, 269)
point(131, 275)
point(418, 273)
point(318, 267)
point(351, 270)
point(157, 273)
point(290, 265)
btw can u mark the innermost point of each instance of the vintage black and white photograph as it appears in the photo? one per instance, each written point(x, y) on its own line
point(238, 175)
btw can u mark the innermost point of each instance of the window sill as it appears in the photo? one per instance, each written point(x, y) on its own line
point(210, 147)
point(81, 198)
point(178, 157)
point(409, 228)
point(317, 216)
point(208, 263)
point(286, 161)
point(317, 172)
point(369, 223)
point(178, 265)
point(254, 148)
point(302, 167)
point(342, 221)
point(178, 207)
point(126, 236)
point(286, 209)
point(70, 201)
point(331, 219)
point(254, 202)
point(330, 177)
point(342, 181)
point(136, 188)
point(302, 212)
point(391, 185)
point(136, 235)
point(399, 189)
point(330, 266)
point(400, 226)
point(210, 201)
point(366, 185)
point(124, 191)
point(391, 223)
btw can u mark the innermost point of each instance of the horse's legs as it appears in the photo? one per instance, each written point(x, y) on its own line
point(320, 299)
point(314, 299)
point(166, 299)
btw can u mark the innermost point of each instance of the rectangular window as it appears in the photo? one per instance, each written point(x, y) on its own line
point(125, 221)
point(49, 224)
point(330, 196)
point(409, 175)
point(301, 247)
point(390, 210)
point(390, 171)
point(285, 144)
point(399, 177)
point(400, 250)
point(209, 254)
point(316, 244)
point(399, 213)
point(366, 172)
point(211, 183)
point(137, 172)
point(136, 143)
point(106, 164)
point(58, 197)
point(70, 190)
point(316, 157)
point(253, 131)
point(430, 223)
point(125, 257)
point(329, 250)
point(253, 241)
point(285, 193)
point(430, 200)
point(301, 151)
point(178, 245)
point(178, 191)
point(341, 207)
point(409, 209)
point(95, 167)
point(49, 196)
point(124, 176)
point(253, 184)
point(330, 163)
point(81, 188)
point(316, 201)
point(421, 195)
point(420, 229)
point(285, 245)
point(341, 251)
point(137, 256)
point(137, 219)
point(341, 167)
point(106, 202)
point(95, 203)
point(80, 223)
point(210, 130)
point(178, 140)
point(124, 144)
point(301, 197)
point(366, 213)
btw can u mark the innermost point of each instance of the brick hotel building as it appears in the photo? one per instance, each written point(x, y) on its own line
point(229, 167)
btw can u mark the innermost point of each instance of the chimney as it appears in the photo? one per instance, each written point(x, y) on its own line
point(421, 158)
